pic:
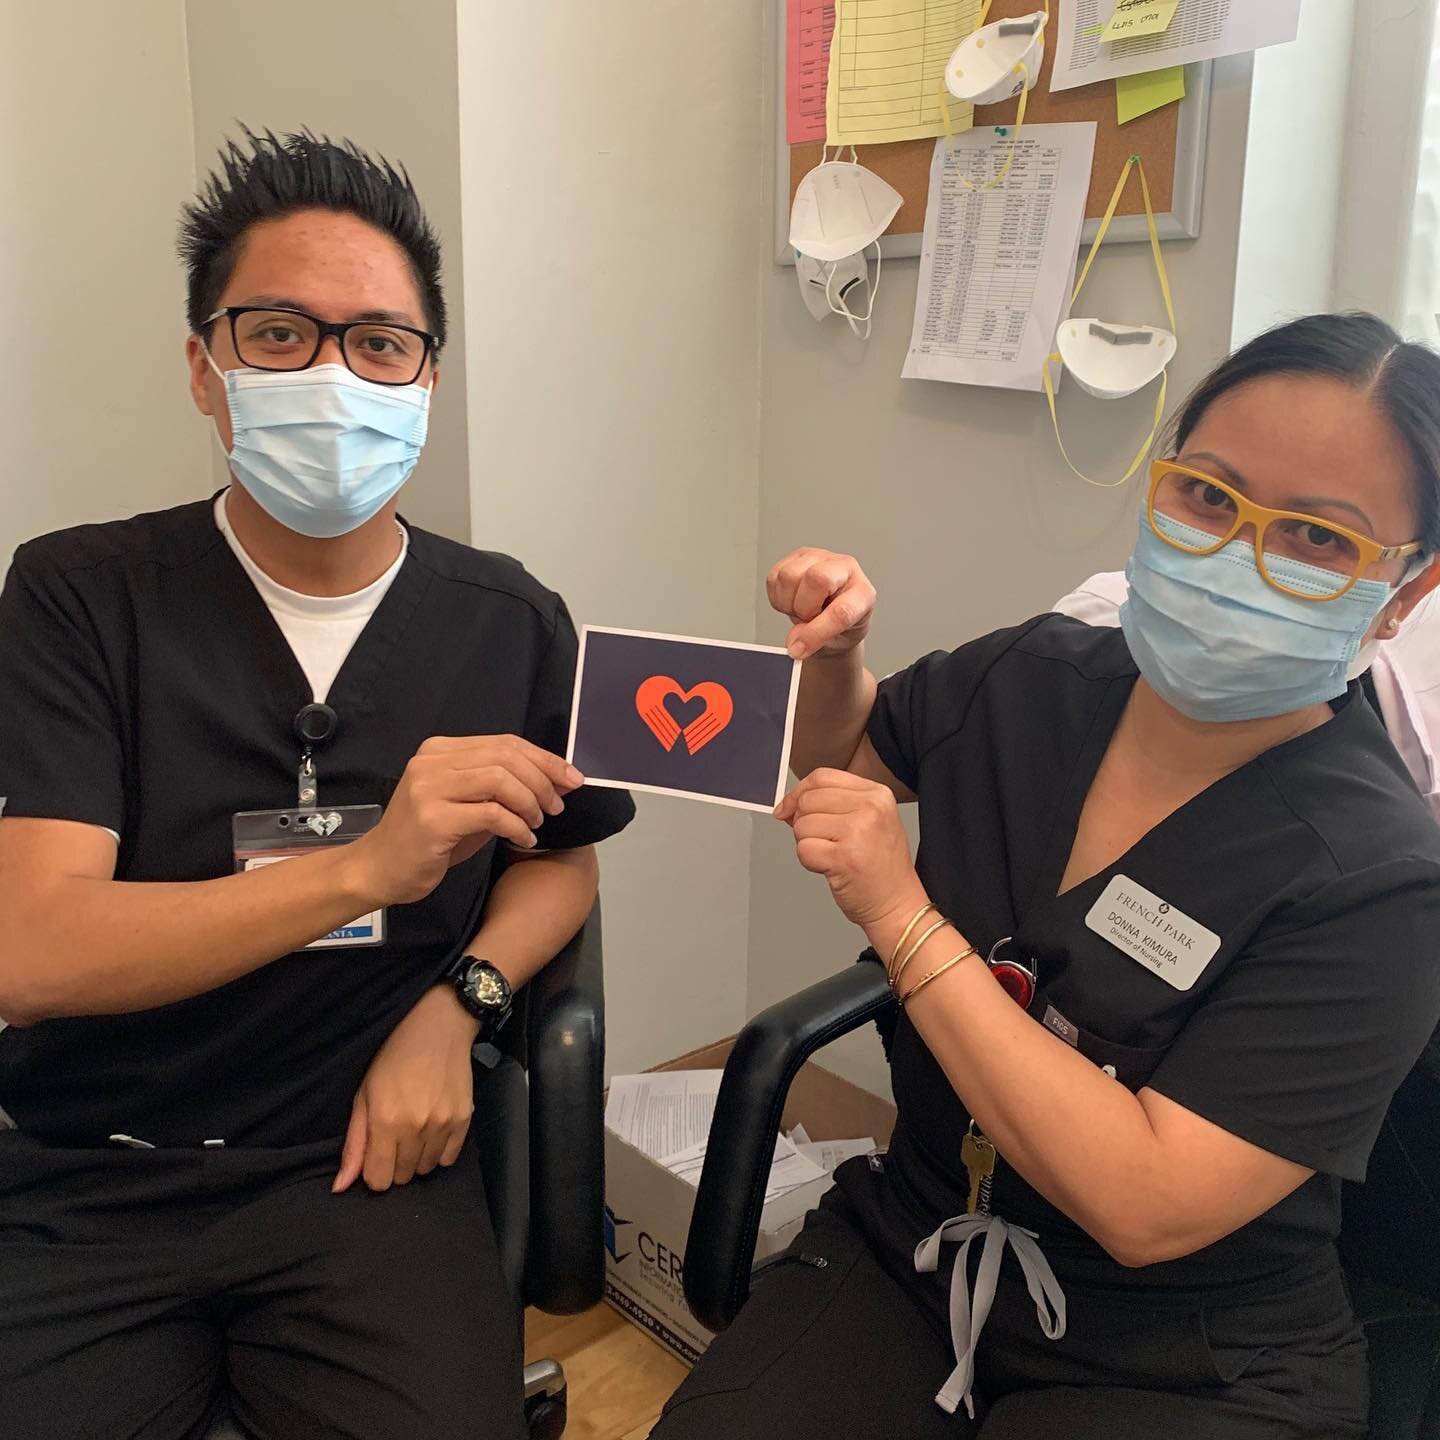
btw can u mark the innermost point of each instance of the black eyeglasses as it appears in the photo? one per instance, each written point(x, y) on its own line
point(271, 339)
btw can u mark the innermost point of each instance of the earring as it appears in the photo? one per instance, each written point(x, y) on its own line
point(1391, 627)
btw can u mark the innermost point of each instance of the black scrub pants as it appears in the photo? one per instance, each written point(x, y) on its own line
point(857, 1349)
point(139, 1289)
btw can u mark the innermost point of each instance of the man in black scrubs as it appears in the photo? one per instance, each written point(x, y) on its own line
point(207, 1049)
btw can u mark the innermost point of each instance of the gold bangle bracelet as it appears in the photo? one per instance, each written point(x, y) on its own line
point(936, 973)
point(915, 949)
point(905, 934)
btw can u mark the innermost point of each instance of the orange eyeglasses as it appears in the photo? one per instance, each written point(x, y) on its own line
point(1206, 514)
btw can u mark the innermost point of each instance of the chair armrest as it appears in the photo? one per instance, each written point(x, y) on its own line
point(565, 1259)
point(500, 1133)
point(767, 1055)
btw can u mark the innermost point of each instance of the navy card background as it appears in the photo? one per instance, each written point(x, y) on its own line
point(612, 742)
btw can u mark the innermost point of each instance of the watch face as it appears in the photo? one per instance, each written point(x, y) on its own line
point(487, 987)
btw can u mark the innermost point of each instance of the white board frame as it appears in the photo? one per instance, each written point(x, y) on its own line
point(1180, 222)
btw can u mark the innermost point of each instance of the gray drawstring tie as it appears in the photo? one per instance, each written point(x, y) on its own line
point(968, 1319)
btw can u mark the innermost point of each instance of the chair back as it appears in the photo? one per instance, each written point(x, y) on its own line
point(1390, 1246)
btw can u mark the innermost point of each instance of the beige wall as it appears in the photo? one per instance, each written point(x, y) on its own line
point(954, 498)
point(95, 158)
point(1378, 216)
point(381, 73)
point(614, 220)
point(1289, 222)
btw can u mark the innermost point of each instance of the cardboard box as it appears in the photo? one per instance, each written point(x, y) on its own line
point(647, 1209)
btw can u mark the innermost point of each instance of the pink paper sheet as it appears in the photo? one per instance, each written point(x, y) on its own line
point(809, 24)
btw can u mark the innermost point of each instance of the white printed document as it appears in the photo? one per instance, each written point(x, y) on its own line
point(663, 1112)
point(997, 266)
point(666, 1114)
point(1201, 30)
point(830, 1154)
point(788, 1168)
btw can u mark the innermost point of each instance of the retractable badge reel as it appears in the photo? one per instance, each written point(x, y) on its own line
point(268, 837)
point(1014, 976)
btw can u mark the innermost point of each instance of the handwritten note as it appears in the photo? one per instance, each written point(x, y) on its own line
point(1133, 18)
point(1137, 95)
point(809, 25)
point(887, 69)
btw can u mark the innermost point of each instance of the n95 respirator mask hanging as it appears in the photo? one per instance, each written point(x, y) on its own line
point(1109, 359)
point(841, 288)
point(998, 62)
point(840, 210)
point(993, 64)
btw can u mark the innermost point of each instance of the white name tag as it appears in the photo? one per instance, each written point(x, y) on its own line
point(365, 930)
point(1160, 937)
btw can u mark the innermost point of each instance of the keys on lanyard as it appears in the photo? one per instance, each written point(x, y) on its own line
point(977, 1154)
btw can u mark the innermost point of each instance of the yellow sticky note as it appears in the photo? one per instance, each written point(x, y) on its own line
point(1133, 18)
point(1137, 95)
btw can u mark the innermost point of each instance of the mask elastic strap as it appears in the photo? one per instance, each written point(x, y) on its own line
point(1023, 71)
point(1133, 163)
point(1145, 445)
point(853, 320)
point(999, 130)
point(210, 361)
point(1055, 358)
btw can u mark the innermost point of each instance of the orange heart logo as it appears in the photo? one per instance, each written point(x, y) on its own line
point(650, 704)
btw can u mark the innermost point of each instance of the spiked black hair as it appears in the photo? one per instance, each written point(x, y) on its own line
point(271, 176)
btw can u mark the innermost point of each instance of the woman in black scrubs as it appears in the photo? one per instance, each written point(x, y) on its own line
point(1191, 853)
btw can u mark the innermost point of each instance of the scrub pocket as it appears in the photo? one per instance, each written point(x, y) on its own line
point(1131, 1065)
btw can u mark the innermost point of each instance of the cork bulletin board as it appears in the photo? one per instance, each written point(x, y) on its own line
point(1171, 141)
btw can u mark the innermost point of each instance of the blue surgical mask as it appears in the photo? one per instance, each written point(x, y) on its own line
point(1218, 642)
point(322, 450)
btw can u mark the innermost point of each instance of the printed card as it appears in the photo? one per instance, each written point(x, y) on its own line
point(706, 719)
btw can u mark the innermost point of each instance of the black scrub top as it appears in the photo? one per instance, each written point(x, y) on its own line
point(146, 688)
point(1317, 864)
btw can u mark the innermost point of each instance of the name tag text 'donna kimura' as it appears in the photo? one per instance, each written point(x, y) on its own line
point(1155, 933)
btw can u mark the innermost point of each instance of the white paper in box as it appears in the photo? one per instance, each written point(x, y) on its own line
point(648, 1209)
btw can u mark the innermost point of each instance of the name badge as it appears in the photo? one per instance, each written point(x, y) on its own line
point(1163, 939)
point(270, 837)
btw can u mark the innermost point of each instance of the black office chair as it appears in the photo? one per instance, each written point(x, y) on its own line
point(1390, 1243)
point(540, 1113)
point(539, 1134)
point(1391, 1233)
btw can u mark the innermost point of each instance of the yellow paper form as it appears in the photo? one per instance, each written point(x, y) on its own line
point(1137, 95)
point(887, 69)
point(1133, 18)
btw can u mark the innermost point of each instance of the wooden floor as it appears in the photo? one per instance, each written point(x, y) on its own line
point(617, 1375)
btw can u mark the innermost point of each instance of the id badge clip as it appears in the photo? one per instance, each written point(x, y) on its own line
point(268, 837)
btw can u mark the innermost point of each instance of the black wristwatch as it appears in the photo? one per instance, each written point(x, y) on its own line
point(484, 992)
